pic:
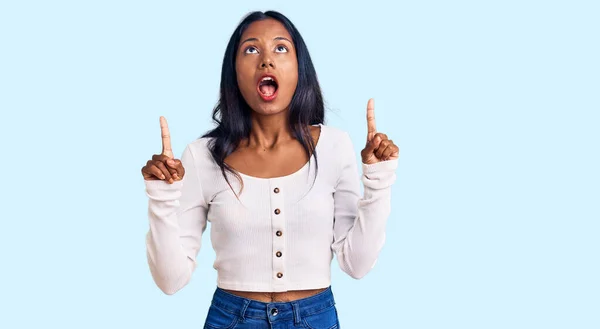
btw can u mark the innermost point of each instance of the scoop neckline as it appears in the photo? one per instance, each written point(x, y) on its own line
point(297, 172)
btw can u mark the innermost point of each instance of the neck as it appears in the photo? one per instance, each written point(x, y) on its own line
point(269, 130)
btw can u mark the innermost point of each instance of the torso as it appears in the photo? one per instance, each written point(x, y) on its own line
point(282, 160)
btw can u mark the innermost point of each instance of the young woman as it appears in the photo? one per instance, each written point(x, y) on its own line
point(280, 188)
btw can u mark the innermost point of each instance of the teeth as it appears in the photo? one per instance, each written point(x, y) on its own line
point(267, 78)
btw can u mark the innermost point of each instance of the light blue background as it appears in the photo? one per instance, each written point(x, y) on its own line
point(494, 105)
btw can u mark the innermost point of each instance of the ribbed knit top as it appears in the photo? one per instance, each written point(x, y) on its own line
point(281, 233)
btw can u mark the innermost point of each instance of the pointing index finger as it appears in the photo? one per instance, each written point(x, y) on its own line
point(166, 138)
point(371, 127)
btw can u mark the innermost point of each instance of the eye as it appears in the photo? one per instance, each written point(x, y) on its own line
point(281, 49)
point(251, 50)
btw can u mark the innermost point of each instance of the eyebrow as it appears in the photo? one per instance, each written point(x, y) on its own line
point(283, 38)
point(276, 38)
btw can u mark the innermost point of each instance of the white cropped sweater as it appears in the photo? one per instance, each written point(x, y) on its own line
point(282, 233)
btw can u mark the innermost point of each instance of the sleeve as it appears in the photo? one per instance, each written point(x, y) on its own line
point(359, 223)
point(177, 217)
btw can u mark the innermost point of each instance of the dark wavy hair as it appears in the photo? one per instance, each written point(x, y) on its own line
point(232, 114)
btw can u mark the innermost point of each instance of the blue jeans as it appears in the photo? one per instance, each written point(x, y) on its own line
point(228, 311)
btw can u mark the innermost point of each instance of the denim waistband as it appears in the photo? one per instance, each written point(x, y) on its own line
point(249, 308)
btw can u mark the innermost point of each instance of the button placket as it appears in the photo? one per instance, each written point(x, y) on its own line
point(278, 225)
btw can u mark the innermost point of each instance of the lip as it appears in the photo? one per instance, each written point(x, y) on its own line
point(267, 98)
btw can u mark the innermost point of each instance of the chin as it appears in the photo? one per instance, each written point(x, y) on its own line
point(270, 108)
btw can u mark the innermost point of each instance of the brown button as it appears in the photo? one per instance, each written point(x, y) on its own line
point(279, 233)
point(276, 190)
point(280, 275)
point(278, 254)
point(277, 211)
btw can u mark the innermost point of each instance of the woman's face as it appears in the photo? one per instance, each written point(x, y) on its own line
point(266, 67)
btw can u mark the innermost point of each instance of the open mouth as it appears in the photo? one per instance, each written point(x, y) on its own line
point(267, 87)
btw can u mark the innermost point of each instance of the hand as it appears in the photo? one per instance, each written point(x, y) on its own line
point(163, 166)
point(379, 148)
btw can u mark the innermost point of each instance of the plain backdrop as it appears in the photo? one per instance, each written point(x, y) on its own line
point(494, 105)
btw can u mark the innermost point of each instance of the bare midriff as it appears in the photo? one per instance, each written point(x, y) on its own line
point(272, 297)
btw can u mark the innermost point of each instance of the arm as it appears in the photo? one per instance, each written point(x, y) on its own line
point(359, 224)
point(177, 215)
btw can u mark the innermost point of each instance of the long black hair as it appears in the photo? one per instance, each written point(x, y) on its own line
point(232, 114)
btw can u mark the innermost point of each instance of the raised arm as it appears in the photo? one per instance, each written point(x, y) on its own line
point(360, 223)
point(177, 216)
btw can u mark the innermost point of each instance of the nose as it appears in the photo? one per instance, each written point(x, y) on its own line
point(267, 62)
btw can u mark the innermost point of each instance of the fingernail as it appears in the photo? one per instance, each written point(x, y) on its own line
point(162, 177)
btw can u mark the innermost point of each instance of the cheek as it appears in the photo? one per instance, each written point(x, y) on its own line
point(291, 70)
point(244, 74)
point(242, 81)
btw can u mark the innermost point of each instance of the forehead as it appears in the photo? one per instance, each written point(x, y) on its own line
point(266, 29)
